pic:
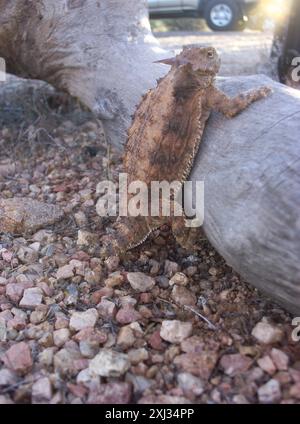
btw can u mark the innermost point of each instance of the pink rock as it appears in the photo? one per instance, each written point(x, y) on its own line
point(145, 297)
point(106, 308)
point(295, 374)
point(48, 291)
point(61, 322)
point(196, 344)
point(32, 298)
point(111, 393)
point(280, 359)
point(41, 390)
point(82, 256)
point(235, 364)
point(155, 341)
point(65, 272)
point(81, 364)
point(14, 291)
point(16, 324)
point(7, 256)
point(77, 390)
point(295, 391)
point(199, 364)
point(18, 358)
point(267, 364)
point(127, 315)
point(182, 296)
point(97, 295)
point(91, 335)
point(283, 377)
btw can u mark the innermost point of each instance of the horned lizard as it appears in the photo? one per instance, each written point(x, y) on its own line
point(165, 135)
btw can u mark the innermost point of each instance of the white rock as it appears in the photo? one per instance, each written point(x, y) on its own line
point(267, 333)
point(42, 390)
point(269, 392)
point(84, 376)
point(190, 384)
point(109, 363)
point(175, 331)
point(140, 282)
point(7, 377)
point(61, 336)
point(81, 320)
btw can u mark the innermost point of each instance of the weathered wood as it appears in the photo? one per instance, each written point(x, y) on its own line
point(101, 52)
point(251, 169)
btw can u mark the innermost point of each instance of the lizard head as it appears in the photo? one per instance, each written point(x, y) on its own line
point(201, 61)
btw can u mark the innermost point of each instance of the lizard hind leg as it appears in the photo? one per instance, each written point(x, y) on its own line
point(188, 237)
point(127, 233)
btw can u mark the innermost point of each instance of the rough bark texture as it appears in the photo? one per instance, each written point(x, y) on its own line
point(251, 169)
point(99, 51)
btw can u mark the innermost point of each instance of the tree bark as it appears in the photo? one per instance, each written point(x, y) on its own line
point(101, 52)
point(250, 166)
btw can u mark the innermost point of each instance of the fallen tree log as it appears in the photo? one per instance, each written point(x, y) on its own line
point(251, 169)
point(101, 52)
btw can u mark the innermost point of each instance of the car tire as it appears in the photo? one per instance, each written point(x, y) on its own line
point(224, 15)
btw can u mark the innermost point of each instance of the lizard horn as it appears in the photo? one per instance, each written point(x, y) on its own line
point(170, 61)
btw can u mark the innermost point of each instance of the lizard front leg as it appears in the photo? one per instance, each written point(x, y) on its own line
point(230, 107)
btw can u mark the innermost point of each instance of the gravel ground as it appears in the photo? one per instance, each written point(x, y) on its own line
point(162, 326)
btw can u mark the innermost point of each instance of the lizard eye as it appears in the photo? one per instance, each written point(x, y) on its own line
point(210, 54)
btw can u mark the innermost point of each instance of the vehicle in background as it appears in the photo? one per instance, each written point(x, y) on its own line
point(220, 15)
